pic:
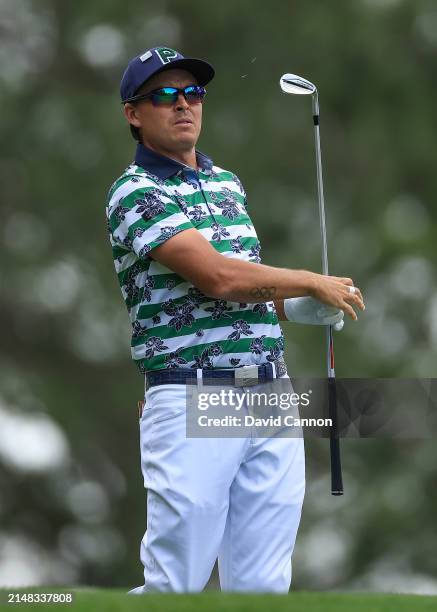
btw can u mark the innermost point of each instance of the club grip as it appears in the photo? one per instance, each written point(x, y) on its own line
point(334, 441)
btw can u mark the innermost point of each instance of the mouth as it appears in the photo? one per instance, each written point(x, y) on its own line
point(184, 122)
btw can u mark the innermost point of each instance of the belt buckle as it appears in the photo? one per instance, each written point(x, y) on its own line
point(246, 376)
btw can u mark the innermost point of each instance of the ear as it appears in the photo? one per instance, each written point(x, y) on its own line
point(130, 113)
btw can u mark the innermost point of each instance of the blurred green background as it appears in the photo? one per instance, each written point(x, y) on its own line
point(72, 503)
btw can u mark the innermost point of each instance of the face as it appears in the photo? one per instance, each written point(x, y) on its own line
point(167, 128)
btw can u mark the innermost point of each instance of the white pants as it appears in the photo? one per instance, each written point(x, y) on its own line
point(235, 499)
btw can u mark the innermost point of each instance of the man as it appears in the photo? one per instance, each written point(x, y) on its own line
point(200, 302)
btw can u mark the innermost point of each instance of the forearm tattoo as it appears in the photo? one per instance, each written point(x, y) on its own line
point(265, 293)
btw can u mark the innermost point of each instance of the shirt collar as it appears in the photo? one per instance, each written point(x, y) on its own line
point(164, 167)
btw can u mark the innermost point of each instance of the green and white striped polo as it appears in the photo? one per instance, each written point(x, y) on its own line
point(174, 325)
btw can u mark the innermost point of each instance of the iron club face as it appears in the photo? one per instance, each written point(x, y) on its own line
point(293, 84)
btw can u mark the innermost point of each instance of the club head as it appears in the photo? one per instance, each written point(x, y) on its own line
point(293, 84)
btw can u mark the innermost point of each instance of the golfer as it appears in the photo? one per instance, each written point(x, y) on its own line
point(201, 304)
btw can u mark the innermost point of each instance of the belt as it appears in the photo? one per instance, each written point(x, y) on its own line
point(242, 376)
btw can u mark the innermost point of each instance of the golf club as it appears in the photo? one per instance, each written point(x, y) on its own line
point(296, 85)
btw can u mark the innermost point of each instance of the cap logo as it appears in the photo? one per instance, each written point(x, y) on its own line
point(166, 55)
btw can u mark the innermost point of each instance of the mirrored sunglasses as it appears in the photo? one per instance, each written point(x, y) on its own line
point(193, 94)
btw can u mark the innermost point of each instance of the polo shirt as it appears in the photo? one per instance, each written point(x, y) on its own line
point(174, 324)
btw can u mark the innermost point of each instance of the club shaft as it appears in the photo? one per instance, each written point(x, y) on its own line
point(320, 193)
point(336, 473)
point(322, 219)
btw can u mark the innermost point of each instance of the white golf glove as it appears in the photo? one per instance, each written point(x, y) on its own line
point(310, 311)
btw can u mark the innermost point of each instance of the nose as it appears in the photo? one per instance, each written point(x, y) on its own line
point(181, 103)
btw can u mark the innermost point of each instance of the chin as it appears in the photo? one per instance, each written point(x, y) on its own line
point(186, 143)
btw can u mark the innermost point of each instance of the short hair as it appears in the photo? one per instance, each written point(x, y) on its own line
point(136, 134)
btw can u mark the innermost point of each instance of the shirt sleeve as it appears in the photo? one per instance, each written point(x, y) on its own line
point(240, 189)
point(142, 216)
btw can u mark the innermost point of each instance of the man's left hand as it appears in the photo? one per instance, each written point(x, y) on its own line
point(309, 311)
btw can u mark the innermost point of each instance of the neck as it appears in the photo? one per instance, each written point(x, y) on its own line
point(184, 157)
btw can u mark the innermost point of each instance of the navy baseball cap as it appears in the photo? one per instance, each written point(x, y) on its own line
point(156, 60)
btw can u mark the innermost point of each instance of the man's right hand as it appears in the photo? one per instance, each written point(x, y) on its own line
point(337, 291)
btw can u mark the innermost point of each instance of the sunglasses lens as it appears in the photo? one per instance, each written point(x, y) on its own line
point(166, 95)
point(194, 94)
